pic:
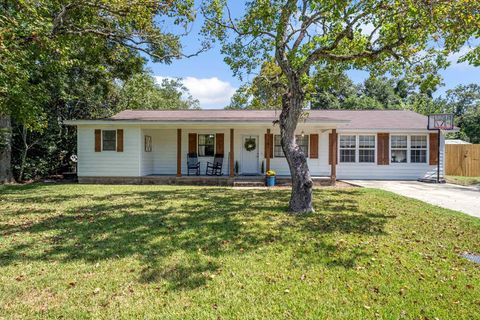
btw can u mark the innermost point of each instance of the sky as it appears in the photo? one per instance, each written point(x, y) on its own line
point(210, 80)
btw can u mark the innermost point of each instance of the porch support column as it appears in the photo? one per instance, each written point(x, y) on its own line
point(232, 155)
point(333, 171)
point(179, 152)
point(267, 150)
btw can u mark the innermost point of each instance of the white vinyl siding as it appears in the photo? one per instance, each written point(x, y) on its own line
point(134, 161)
point(163, 158)
point(108, 163)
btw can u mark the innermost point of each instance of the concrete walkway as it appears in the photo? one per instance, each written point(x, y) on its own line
point(450, 196)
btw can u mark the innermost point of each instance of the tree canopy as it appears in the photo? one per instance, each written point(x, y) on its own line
point(398, 37)
point(61, 60)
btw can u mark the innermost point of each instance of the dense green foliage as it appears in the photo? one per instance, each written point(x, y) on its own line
point(153, 252)
point(143, 92)
point(78, 60)
point(334, 90)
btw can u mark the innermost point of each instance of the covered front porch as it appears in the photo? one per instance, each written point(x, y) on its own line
point(248, 152)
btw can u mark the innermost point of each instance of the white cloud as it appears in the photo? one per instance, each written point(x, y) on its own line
point(211, 92)
point(453, 59)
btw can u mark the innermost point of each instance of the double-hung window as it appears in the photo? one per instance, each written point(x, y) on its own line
point(109, 140)
point(348, 145)
point(366, 149)
point(302, 142)
point(277, 147)
point(206, 145)
point(418, 149)
point(399, 148)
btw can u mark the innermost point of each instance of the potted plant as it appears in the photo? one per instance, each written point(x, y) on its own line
point(270, 177)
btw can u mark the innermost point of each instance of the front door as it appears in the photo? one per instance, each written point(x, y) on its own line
point(249, 163)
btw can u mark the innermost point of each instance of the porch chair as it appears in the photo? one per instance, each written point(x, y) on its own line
point(215, 168)
point(193, 164)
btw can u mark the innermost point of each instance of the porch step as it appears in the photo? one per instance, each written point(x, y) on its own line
point(239, 183)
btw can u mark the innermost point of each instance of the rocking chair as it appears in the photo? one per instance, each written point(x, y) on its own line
point(215, 168)
point(193, 164)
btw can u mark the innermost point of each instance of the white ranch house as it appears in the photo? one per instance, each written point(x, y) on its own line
point(152, 146)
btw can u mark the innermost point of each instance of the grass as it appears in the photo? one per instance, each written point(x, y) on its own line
point(463, 181)
point(118, 252)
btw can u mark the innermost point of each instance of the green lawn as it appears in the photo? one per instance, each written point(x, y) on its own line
point(464, 181)
point(76, 251)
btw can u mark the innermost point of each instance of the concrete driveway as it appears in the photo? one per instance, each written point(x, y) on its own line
point(450, 196)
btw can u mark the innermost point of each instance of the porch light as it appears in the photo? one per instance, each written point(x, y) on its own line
point(303, 134)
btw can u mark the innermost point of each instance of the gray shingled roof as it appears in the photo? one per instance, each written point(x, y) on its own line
point(357, 119)
point(210, 115)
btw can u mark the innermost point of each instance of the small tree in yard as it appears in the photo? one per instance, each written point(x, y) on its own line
point(376, 35)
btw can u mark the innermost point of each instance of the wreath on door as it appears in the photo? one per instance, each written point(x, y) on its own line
point(250, 144)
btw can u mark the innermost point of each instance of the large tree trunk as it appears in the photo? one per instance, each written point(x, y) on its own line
point(302, 184)
point(6, 175)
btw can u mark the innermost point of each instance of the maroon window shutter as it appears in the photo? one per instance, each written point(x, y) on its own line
point(220, 143)
point(98, 140)
point(119, 140)
point(331, 140)
point(383, 148)
point(192, 143)
point(314, 146)
point(433, 143)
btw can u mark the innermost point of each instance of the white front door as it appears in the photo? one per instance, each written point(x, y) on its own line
point(249, 164)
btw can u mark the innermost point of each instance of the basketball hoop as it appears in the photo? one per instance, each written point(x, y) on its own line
point(440, 122)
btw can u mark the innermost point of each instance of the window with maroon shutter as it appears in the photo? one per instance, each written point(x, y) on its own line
point(109, 140)
point(206, 145)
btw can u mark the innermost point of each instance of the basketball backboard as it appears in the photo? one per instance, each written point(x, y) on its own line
point(441, 121)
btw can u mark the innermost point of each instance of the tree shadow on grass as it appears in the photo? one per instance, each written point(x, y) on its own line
point(179, 234)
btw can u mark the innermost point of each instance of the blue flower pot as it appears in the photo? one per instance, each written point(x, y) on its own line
point(271, 181)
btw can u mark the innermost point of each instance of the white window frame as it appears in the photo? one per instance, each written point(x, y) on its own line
point(354, 149)
point(409, 149)
point(374, 148)
point(426, 148)
point(116, 142)
point(273, 147)
point(297, 135)
point(357, 148)
point(214, 144)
